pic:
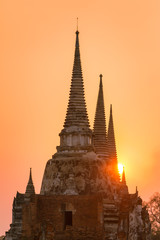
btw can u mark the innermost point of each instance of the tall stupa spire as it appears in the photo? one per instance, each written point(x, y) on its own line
point(76, 136)
point(99, 129)
point(111, 140)
point(77, 112)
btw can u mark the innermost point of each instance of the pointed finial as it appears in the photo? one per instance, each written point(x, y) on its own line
point(100, 76)
point(77, 23)
point(30, 175)
point(110, 108)
point(100, 80)
point(77, 32)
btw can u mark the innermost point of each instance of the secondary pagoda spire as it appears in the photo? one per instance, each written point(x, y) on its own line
point(76, 112)
point(112, 152)
point(99, 129)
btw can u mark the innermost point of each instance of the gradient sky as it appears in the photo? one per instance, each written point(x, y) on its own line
point(121, 40)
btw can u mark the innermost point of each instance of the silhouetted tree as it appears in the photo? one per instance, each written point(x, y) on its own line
point(153, 207)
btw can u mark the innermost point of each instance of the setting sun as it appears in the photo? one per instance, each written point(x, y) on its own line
point(120, 168)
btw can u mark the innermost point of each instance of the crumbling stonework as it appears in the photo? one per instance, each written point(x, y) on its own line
point(16, 227)
point(82, 174)
point(81, 197)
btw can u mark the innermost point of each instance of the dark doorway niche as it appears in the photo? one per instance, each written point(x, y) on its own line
point(67, 218)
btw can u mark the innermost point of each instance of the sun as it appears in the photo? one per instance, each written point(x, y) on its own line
point(120, 168)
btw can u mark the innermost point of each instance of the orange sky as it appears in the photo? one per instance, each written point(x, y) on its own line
point(121, 40)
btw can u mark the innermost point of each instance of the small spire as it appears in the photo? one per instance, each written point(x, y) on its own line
point(123, 177)
point(99, 129)
point(30, 187)
point(30, 176)
point(124, 187)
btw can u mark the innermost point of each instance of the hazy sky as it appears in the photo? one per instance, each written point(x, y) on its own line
point(121, 40)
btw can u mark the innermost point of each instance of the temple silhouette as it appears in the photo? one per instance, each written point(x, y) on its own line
point(82, 196)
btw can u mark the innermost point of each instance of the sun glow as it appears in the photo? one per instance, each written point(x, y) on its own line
point(120, 168)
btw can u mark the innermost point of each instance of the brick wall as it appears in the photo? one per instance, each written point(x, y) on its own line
point(43, 217)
